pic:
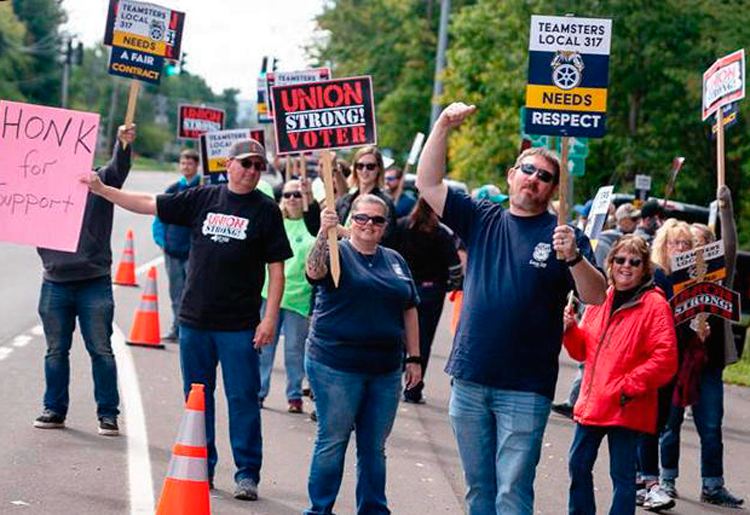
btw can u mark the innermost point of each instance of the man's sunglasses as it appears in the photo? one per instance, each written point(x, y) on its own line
point(369, 166)
point(634, 262)
point(362, 219)
point(291, 194)
point(249, 162)
point(541, 173)
point(391, 178)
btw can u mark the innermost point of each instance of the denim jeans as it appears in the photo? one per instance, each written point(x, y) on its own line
point(177, 273)
point(431, 301)
point(294, 326)
point(583, 451)
point(366, 403)
point(648, 444)
point(200, 352)
point(575, 387)
point(92, 303)
point(499, 435)
point(707, 415)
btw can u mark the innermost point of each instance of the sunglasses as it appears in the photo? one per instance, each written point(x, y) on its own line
point(291, 194)
point(634, 262)
point(542, 174)
point(249, 162)
point(362, 219)
point(369, 166)
point(391, 178)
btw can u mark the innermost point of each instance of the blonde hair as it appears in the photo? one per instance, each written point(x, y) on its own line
point(282, 206)
point(632, 244)
point(659, 253)
point(706, 233)
point(375, 151)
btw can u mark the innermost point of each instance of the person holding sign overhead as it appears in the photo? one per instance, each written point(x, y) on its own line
point(78, 285)
point(236, 231)
point(504, 358)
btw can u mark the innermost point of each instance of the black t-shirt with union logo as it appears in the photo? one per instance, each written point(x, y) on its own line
point(232, 238)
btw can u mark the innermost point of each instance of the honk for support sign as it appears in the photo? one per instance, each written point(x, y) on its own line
point(43, 153)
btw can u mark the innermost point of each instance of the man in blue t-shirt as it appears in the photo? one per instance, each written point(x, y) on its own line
point(504, 357)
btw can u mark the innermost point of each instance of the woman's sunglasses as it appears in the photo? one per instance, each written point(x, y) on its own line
point(362, 219)
point(291, 194)
point(634, 262)
point(369, 166)
point(541, 173)
point(249, 162)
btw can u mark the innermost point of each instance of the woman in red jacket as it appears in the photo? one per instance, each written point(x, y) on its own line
point(629, 348)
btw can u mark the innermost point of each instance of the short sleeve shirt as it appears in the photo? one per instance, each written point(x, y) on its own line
point(359, 326)
point(233, 237)
point(510, 329)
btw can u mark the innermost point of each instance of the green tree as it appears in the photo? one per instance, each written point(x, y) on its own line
point(14, 61)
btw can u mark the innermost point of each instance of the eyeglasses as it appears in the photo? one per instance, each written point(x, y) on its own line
point(370, 166)
point(362, 219)
point(634, 262)
point(391, 178)
point(249, 162)
point(291, 194)
point(542, 174)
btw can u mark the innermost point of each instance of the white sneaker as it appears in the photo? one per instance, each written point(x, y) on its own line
point(657, 499)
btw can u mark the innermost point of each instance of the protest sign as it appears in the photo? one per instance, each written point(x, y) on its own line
point(132, 64)
point(702, 264)
point(416, 148)
point(263, 101)
point(193, 121)
point(144, 27)
point(598, 214)
point(296, 77)
point(338, 113)
point(724, 82)
point(677, 163)
point(568, 76)
point(706, 297)
point(731, 114)
point(44, 151)
point(214, 147)
point(642, 187)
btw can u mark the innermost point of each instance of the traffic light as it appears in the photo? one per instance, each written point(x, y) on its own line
point(171, 69)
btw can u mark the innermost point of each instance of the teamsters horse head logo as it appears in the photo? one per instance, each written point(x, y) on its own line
point(567, 69)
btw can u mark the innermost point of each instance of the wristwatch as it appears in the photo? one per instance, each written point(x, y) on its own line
point(577, 259)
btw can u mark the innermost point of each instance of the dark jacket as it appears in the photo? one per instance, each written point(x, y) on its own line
point(93, 259)
point(174, 239)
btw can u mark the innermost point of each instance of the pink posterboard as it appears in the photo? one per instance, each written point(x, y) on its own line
point(43, 153)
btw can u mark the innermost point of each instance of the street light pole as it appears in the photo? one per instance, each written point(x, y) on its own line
point(437, 90)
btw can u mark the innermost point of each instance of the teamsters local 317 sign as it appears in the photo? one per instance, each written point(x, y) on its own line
point(568, 74)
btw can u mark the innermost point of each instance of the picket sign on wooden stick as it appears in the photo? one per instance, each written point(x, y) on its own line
point(302, 178)
point(721, 179)
point(701, 268)
point(135, 88)
point(562, 208)
point(333, 243)
point(288, 168)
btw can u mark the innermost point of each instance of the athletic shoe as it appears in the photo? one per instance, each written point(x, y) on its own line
point(314, 415)
point(656, 499)
point(171, 337)
point(668, 487)
point(640, 496)
point(246, 489)
point(49, 420)
point(721, 497)
point(564, 409)
point(108, 426)
point(295, 406)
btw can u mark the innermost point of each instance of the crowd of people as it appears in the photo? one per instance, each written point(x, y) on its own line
point(245, 270)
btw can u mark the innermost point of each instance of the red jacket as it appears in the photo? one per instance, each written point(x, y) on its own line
point(628, 356)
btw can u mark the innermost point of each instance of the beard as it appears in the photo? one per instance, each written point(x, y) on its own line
point(529, 199)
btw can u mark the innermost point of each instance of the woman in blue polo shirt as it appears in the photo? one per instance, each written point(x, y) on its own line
point(355, 352)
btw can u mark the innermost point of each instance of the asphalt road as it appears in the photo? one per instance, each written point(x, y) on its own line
point(77, 471)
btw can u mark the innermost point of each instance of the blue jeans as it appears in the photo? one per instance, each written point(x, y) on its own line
point(294, 326)
point(583, 452)
point(177, 273)
point(499, 435)
point(707, 415)
point(200, 352)
point(59, 305)
point(367, 404)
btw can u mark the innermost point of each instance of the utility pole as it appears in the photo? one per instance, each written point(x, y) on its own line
point(67, 61)
point(437, 91)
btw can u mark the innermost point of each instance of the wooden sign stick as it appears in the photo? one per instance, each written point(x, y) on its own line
point(333, 242)
point(288, 168)
point(135, 88)
point(701, 268)
point(720, 147)
point(562, 208)
point(302, 177)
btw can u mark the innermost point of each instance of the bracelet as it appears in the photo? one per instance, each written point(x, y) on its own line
point(573, 262)
point(413, 359)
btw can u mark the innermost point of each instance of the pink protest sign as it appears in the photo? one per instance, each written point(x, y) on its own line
point(43, 153)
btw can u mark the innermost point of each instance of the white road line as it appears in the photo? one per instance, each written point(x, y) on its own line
point(5, 352)
point(22, 340)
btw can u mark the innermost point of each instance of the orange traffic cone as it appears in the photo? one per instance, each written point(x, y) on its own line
point(145, 330)
point(125, 275)
point(185, 490)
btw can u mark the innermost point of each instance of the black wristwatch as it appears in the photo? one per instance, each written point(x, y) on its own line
point(413, 359)
point(577, 259)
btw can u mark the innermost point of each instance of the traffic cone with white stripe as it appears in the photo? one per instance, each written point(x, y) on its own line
point(185, 490)
point(145, 330)
point(125, 275)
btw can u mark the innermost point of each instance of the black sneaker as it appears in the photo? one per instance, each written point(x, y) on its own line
point(171, 337)
point(721, 497)
point(246, 489)
point(314, 415)
point(108, 426)
point(564, 409)
point(49, 420)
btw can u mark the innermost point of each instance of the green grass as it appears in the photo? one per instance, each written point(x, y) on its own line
point(739, 373)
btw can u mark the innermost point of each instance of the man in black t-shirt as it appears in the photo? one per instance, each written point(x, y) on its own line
point(235, 231)
point(504, 356)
